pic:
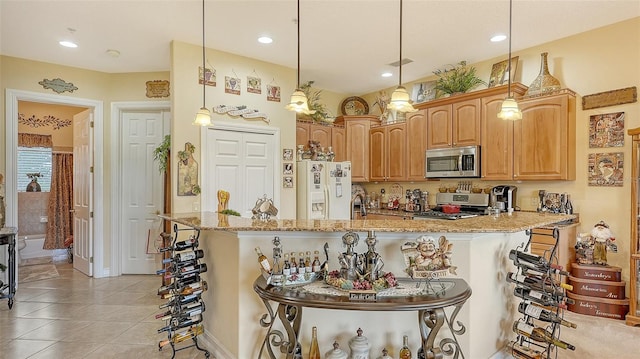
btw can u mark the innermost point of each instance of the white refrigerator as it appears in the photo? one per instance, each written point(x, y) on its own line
point(323, 190)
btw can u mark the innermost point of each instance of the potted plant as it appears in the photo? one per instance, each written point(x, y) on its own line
point(321, 115)
point(161, 153)
point(458, 78)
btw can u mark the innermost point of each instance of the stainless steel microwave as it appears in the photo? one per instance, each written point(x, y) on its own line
point(453, 162)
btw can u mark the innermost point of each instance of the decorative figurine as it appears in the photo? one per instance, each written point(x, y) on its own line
point(372, 260)
point(592, 248)
point(425, 260)
point(348, 260)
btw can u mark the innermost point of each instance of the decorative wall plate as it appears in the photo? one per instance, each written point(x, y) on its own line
point(354, 105)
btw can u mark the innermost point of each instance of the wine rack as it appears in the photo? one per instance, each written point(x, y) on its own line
point(539, 283)
point(182, 313)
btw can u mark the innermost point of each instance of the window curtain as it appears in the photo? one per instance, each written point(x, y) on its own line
point(33, 140)
point(60, 224)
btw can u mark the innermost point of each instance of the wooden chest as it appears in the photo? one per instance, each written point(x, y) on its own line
point(597, 288)
point(599, 307)
point(595, 272)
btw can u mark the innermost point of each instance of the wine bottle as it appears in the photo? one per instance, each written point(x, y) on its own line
point(178, 284)
point(182, 336)
point(543, 314)
point(263, 260)
point(539, 334)
point(188, 271)
point(521, 352)
point(192, 242)
point(314, 351)
point(185, 256)
point(179, 324)
point(546, 299)
point(307, 262)
point(196, 288)
point(528, 260)
point(286, 268)
point(294, 265)
point(301, 266)
point(195, 309)
point(405, 352)
point(536, 283)
point(180, 301)
point(315, 265)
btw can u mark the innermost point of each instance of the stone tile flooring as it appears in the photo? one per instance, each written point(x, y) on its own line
point(75, 316)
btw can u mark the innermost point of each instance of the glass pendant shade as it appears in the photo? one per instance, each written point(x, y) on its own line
point(510, 110)
point(400, 100)
point(299, 103)
point(203, 117)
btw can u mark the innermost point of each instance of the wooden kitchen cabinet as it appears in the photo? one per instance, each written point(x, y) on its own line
point(388, 150)
point(454, 125)
point(633, 318)
point(327, 136)
point(544, 141)
point(357, 143)
point(416, 135)
point(541, 146)
point(542, 242)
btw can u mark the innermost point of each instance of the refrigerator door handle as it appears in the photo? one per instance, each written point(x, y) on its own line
point(326, 201)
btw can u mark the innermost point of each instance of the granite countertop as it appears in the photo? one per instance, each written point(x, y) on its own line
point(516, 222)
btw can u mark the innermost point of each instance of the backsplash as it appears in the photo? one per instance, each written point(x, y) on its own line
point(32, 206)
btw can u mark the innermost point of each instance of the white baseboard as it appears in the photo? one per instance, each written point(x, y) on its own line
point(217, 350)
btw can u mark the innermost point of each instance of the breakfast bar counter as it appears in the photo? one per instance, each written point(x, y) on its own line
point(480, 249)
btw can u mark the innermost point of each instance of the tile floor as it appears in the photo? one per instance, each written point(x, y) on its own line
point(74, 316)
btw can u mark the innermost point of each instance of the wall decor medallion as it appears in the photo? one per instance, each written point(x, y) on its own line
point(606, 130)
point(354, 105)
point(610, 98)
point(232, 85)
point(157, 88)
point(606, 169)
point(236, 111)
point(58, 85)
point(500, 72)
point(47, 120)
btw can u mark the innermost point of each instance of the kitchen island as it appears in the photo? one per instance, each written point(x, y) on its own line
point(480, 255)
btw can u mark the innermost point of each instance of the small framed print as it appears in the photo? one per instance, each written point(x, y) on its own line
point(287, 168)
point(287, 182)
point(500, 72)
point(606, 169)
point(423, 91)
point(287, 154)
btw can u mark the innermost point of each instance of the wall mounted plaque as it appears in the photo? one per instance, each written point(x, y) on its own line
point(610, 98)
point(58, 85)
point(157, 88)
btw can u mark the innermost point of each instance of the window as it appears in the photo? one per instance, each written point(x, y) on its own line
point(34, 160)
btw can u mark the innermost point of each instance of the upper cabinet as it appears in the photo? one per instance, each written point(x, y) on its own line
point(327, 136)
point(357, 143)
point(388, 149)
point(541, 146)
point(454, 125)
point(416, 135)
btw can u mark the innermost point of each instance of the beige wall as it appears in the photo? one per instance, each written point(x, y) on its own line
point(62, 137)
point(24, 75)
point(600, 60)
point(187, 99)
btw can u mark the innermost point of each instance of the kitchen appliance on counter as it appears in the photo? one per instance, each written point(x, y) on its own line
point(503, 197)
point(453, 162)
point(323, 190)
point(456, 206)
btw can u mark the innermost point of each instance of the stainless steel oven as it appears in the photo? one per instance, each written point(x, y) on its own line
point(455, 162)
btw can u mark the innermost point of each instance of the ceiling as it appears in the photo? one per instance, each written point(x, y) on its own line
point(345, 45)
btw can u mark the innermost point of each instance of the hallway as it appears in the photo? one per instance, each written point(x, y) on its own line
point(74, 316)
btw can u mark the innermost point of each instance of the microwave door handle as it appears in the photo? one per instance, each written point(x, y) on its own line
point(460, 163)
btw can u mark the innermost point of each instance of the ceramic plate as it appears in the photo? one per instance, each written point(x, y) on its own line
point(354, 105)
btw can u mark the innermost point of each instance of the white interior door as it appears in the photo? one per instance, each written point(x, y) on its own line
point(241, 163)
point(142, 188)
point(83, 192)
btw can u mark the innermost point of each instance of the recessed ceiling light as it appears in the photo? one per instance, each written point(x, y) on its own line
point(387, 74)
point(113, 53)
point(265, 40)
point(498, 38)
point(67, 43)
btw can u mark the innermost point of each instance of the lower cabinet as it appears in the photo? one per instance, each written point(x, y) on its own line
point(542, 243)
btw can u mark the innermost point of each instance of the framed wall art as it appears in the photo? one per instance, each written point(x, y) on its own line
point(287, 154)
point(606, 130)
point(423, 91)
point(500, 72)
point(287, 182)
point(606, 169)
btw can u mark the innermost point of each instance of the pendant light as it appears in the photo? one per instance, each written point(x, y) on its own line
point(400, 97)
point(203, 117)
point(509, 109)
point(299, 102)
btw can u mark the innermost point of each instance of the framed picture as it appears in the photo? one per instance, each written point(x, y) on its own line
point(287, 154)
point(500, 72)
point(287, 182)
point(287, 168)
point(423, 91)
point(606, 169)
point(606, 130)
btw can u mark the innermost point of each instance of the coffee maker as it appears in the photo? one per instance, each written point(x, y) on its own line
point(503, 197)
